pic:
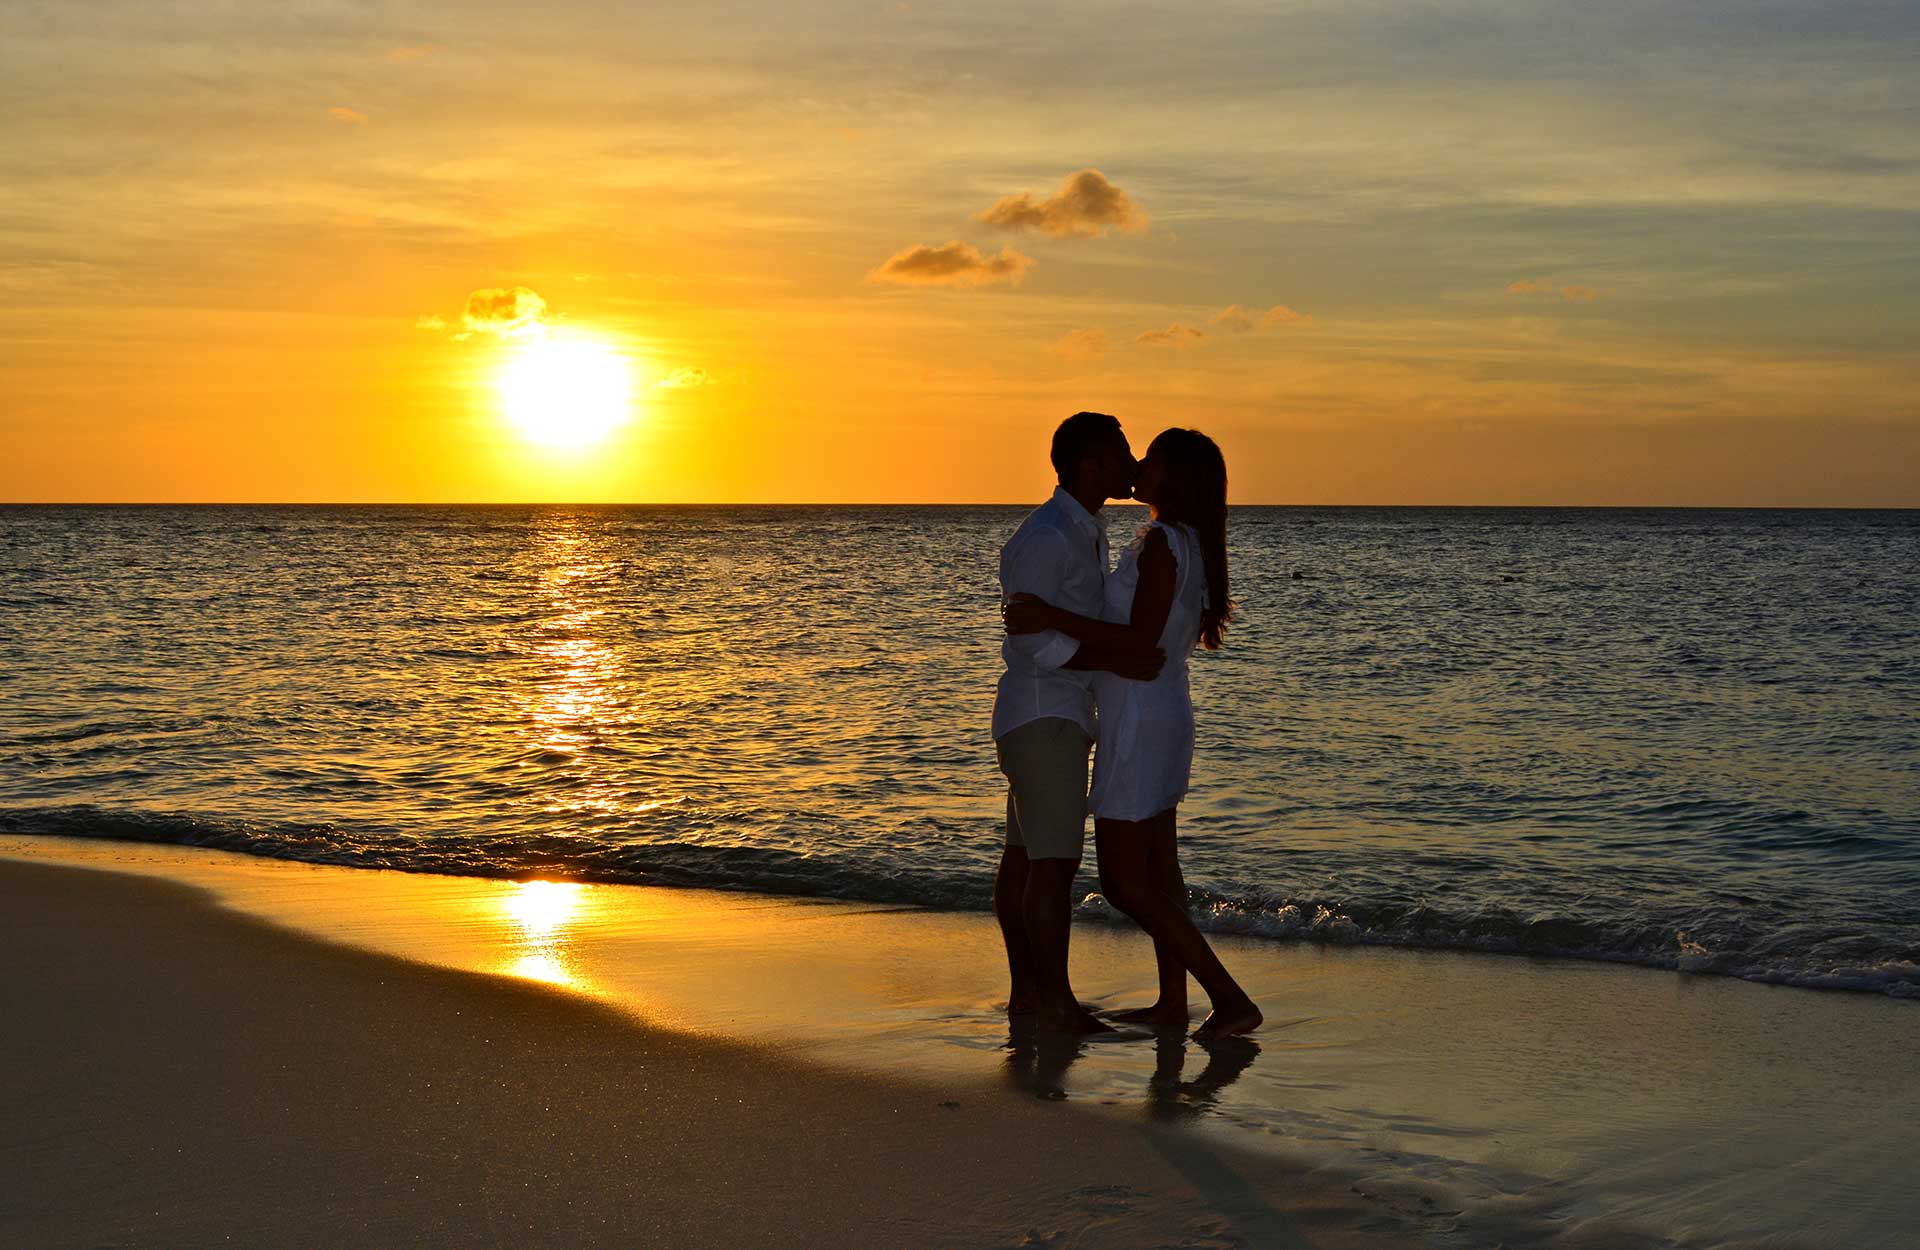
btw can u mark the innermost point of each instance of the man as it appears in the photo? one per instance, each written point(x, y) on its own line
point(1043, 715)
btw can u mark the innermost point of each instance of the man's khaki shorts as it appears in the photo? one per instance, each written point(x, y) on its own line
point(1045, 762)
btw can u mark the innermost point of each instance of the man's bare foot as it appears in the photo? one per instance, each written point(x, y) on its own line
point(1076, 1019)
point(1028, 1003)
point(1160, 1015)
point(1229, 1021)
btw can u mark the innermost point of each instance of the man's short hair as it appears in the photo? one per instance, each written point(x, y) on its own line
point(1078, 437)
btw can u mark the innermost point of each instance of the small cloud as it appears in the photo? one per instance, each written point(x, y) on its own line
point(1081, 343)
point(954, 264)
point(511, 313)
point(1576, 294)
point(901, 9)
point(352, 117)
point(1175, 335)
point(1239, 319)
point(1086, 206)
point(410, 52)
point(429, 321)
point(683, 379)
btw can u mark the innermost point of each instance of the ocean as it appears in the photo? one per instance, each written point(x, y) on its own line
point(1677, 738)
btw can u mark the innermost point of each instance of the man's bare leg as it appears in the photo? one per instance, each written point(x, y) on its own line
point(1048, 912)
point(1009, 903)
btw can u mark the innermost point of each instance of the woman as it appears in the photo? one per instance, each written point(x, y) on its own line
point(1169, 591)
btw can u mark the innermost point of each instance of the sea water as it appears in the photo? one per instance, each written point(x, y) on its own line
point(1679, 738)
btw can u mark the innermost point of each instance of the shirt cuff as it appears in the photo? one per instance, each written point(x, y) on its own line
point(1058, 649)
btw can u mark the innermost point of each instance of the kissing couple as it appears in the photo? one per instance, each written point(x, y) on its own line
point(1098, 656)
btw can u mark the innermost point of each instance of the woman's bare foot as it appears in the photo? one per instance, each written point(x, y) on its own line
point(1230, 1020)
point(1158, 1014)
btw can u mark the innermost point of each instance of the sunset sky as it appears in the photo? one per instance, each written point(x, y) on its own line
point(1605, 253)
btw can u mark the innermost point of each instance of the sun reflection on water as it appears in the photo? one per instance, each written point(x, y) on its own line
point(576, 691)
point(577, 702)
point(543, 912)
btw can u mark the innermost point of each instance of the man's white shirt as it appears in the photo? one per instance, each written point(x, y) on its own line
point(1060, 554)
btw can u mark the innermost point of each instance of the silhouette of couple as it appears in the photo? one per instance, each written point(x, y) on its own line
point(1094, 655)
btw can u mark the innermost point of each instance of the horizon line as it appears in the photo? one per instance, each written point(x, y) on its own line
point(721, 503)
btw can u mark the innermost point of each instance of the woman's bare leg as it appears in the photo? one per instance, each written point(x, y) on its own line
point(1126, 878)
point(1163, 867)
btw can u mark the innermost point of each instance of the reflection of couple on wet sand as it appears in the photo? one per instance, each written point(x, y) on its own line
point(1098, 656)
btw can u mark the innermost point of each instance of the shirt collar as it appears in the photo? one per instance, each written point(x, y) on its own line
point(1075, 512)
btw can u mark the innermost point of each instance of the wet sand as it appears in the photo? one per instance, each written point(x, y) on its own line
point(177, 1074)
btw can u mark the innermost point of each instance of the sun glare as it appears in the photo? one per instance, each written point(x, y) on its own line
point(566, 393)
point(544, 912)
point(542, 908)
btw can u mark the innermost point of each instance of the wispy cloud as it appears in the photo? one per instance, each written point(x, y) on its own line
point(1175, 335)
point(1081, 343)
point(1234, 318)
point(1239, 319)
point(430, 321)
point(1577, 294)
point(352, 117)
point(404, 53)
point(952, 264)
point(1086, 206)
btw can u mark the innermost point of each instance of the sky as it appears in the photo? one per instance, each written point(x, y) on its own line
point(1425, 253)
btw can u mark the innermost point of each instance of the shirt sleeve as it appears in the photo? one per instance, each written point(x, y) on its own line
point(1037, 565)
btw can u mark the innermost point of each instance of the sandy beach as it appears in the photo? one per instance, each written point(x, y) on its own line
point(180, 1075)
point(208, 1048)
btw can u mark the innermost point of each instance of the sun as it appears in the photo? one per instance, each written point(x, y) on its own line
point(565, 393)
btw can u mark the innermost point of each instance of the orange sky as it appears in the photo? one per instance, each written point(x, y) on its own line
point(873, 252)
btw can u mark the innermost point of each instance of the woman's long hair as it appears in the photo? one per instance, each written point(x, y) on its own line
point(1195, 493)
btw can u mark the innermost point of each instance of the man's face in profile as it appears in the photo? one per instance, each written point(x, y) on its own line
point(1118, 467)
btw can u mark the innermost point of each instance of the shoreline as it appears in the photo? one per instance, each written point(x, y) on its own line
point(186, 1075)
point(1481, 1099)
point(1884, 974)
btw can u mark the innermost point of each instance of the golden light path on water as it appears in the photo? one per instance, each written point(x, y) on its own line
point(577, 693)
point(577, 697)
